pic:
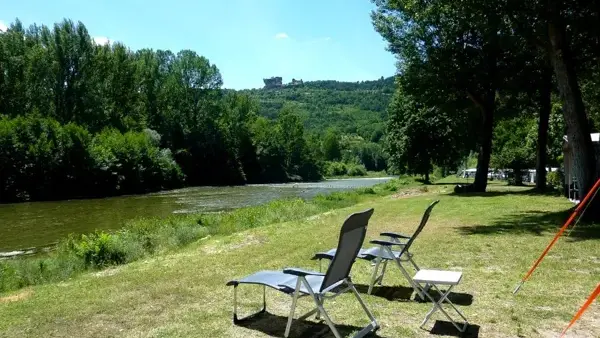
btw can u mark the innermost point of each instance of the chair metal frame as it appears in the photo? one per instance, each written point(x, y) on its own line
point(331, 284)
point(380, 255)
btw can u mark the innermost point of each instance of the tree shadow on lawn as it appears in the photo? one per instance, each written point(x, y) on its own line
point(445, 328)
point(535, 222)
point(519, 191)
point(274, 326)
point(405, 294)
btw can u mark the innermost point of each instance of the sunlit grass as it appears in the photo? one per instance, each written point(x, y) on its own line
point(493, 238)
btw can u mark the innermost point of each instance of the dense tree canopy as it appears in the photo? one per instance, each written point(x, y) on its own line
point(85, 119)
point(510, 61)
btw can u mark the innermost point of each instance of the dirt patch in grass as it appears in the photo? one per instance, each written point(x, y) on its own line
point(409, 193)
point(16, 297)
point(107, 272)
point(246, 240)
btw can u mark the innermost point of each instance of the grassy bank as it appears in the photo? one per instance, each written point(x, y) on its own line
point(493, 238)
point(149, 236)
point(367, 174)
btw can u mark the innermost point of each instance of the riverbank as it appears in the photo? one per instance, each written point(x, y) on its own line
point(369, 174)
point(492, 238)
point(42, 224)
point(143, 237)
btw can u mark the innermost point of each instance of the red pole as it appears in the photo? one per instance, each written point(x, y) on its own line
point(560, 232)
point(584, 307)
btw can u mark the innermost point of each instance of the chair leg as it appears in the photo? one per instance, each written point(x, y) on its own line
point(410, 259)
point(383, 272)
point(320, 307)
point(363, 305)
point(293, 309)
point(236, 319)
point(438, 306)
point(374, 276)
point(412, 283)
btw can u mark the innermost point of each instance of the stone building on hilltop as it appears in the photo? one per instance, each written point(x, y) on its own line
point(277, 82)
point(274, 82)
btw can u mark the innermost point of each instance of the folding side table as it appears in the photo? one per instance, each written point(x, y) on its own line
point(435, 278)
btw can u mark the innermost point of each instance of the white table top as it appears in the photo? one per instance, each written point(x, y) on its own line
point(438, 277)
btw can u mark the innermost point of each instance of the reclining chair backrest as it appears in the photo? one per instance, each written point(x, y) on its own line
point(351, 240)
point(424, 220)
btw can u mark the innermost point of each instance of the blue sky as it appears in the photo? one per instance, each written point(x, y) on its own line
point(248, 40)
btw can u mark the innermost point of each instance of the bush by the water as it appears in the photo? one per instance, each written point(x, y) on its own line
point(42, 159)
point(147, 236)
point(357, 170)
point(342, 169)
point(336, 169)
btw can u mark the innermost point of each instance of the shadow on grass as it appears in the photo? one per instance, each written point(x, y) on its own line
point(405, 294)
point(391, 293)
point(274, 326)
point(535, 222)
point(445, 328)
point(508, 192)
point(448, 183)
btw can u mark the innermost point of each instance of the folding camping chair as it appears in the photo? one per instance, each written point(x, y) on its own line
point(384, 253)
point(299, 283)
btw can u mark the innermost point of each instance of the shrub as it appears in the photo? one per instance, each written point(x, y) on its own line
point(357, 170)
point(98, 249)
point(336, 169)
point(132, 163)
point(555, 179)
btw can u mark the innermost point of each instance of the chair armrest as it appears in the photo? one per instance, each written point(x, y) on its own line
point(394, 235)
point(301, 273)
point(386, 243)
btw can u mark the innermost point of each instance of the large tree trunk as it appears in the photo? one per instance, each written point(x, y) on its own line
point(578, 130)
point(485, 147)
point(542, 143)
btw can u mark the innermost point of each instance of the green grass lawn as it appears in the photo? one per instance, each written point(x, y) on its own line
point(493, 238)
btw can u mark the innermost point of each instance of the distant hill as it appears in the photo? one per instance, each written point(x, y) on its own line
point(352, 107)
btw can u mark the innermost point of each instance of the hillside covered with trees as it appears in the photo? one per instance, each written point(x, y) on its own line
point(345, 121)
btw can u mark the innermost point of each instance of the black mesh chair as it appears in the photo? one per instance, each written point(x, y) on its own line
point(320, 286)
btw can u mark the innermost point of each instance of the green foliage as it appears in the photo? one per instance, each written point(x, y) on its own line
point(331, 146)
point(132, 163)
point(421, 137)
point(97, 250)
point(336, 169)
point(556, 180)
point(351, 108)
point(515, 146)
point(357, 170)
point(90, 119)
point(44, 160)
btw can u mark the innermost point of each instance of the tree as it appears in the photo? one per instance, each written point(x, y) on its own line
point(420, 137)
point(578, 129)
point(515, 146)
point(331, 146)
point(99, 119)
point(464, 41)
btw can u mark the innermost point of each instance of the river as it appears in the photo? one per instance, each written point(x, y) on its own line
point(38, 224)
